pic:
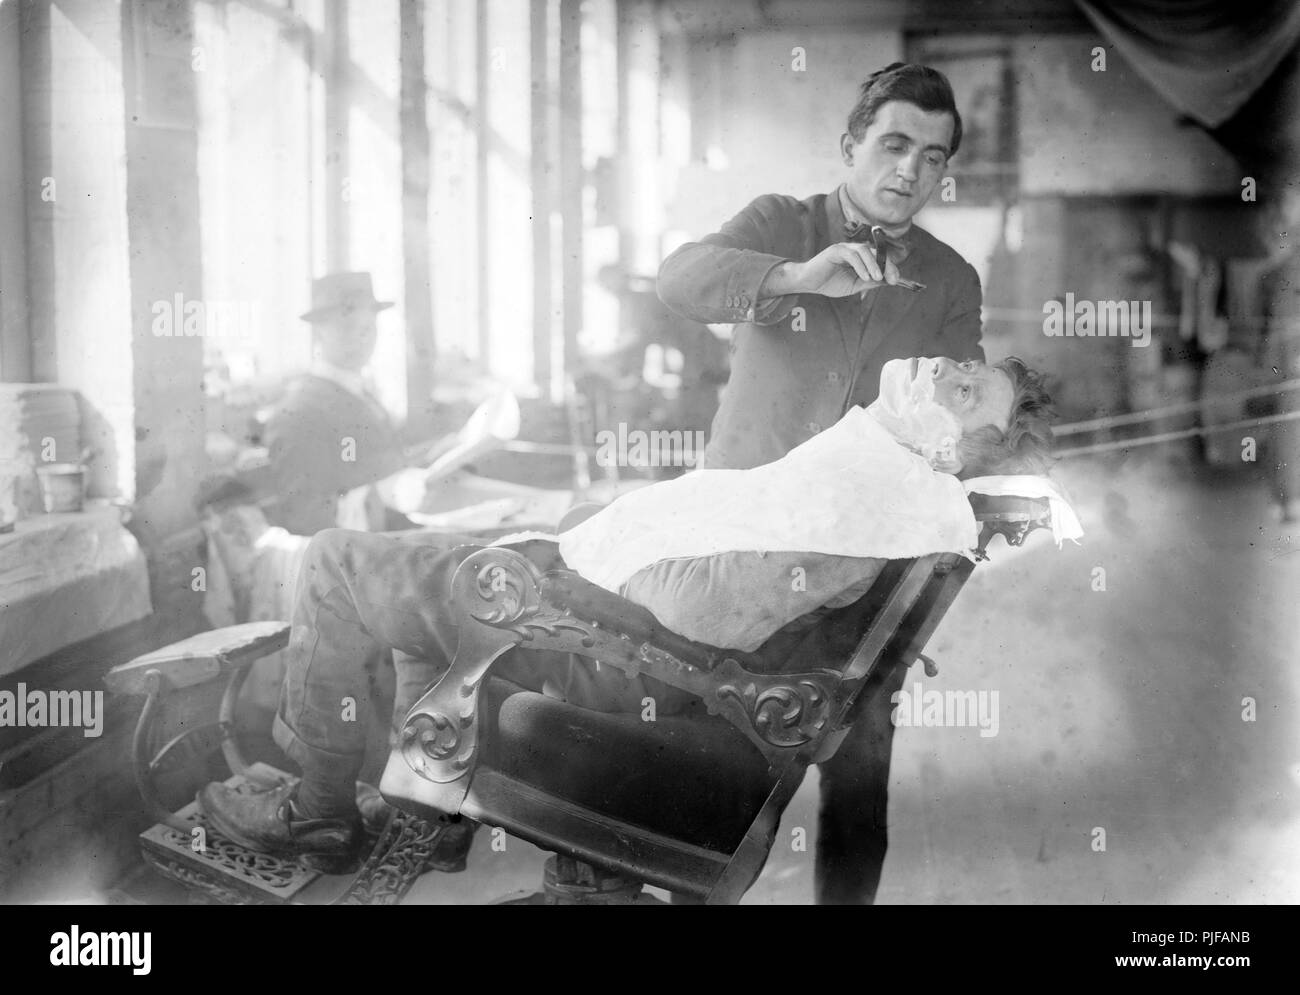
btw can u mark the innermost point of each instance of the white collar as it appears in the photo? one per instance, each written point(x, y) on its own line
point(353, 381)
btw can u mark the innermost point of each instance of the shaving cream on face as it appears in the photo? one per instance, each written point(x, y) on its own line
point(907, 409)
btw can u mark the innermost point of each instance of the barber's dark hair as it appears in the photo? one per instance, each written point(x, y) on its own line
point(927, 88)
point(1026, 445)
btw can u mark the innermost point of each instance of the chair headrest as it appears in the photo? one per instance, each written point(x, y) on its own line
point(1011, 515)
point(1011, 508)
point(1025, 502)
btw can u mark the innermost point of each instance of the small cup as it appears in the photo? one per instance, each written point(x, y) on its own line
point(63, 486)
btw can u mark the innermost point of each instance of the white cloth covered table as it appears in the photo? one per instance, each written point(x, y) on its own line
point(64, 578)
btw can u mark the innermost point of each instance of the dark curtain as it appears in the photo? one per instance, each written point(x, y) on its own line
point(1206, 57)
point(1231, 66)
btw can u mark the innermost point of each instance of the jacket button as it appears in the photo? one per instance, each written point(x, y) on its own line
point(814, 427)
point(833, 376)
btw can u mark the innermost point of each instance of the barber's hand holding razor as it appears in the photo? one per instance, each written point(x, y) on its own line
point(839, 270)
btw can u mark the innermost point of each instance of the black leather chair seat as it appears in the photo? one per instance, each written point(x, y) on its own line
point(695, 779)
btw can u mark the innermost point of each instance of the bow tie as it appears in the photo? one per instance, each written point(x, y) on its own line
point(859, 231)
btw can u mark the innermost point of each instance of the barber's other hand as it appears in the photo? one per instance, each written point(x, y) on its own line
point(839, 270)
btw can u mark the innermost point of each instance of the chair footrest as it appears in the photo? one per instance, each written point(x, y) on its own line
point(221, 869)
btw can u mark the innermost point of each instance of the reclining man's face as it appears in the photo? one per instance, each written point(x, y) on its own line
point(929, 404)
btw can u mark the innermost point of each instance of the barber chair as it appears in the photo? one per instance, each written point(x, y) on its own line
point(688, 803)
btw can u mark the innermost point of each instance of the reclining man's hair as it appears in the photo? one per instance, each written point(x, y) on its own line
point(911, 82)
point(1026, 445)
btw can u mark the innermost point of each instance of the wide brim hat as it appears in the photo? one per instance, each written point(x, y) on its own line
point(340, 292)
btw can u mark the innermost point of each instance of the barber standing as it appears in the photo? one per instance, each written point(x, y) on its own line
point(824, 292)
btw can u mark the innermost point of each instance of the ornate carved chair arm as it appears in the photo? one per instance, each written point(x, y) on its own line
point(495, 592)
point(505, 601)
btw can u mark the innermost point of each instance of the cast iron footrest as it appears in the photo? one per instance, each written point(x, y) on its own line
point(403, 852)
point(223, 870)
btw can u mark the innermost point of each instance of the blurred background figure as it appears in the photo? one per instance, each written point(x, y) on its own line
point(664, 372)
point(330, 434)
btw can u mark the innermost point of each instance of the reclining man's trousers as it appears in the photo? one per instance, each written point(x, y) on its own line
point(361, 594)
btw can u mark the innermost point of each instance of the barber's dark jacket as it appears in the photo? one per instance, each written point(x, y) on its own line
point(787, 385)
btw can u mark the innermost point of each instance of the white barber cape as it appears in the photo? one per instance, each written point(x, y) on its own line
point(852, 490)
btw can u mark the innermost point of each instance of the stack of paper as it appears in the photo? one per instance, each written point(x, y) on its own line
point(39, 424)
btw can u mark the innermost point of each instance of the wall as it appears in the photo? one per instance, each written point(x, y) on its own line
point(1086, 132)
point(1093, 151)
point(260, 222)
point(79, 291)
point(759, 126)
point(109, 139)
point(15, 346)
point(163, 233)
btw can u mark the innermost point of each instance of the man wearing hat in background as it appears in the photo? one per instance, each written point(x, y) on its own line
point(329, 434)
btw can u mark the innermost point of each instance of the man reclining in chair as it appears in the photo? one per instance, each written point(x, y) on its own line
point(360, 592)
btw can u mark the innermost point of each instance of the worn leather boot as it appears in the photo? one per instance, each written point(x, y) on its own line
point(268, 822)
